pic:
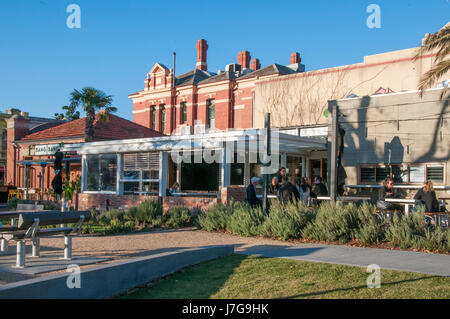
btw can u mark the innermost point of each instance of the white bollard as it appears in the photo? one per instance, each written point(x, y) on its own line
point(20, 258)
point(67, 247)
point(36, 247)
point(4, 246)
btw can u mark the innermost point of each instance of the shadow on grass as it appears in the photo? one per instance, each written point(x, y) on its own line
point(190, 281)
point(325, 292)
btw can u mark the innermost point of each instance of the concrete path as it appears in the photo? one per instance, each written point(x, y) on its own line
point(434, 264)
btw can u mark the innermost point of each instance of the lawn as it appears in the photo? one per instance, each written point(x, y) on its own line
point(239, 276)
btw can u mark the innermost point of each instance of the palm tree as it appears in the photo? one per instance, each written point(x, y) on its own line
point(92, 99)
point(439, 41)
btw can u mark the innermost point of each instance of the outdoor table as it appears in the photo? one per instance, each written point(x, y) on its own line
point(403, 201)
point(347, 198)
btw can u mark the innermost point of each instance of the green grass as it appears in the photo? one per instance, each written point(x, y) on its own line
point(239, 276)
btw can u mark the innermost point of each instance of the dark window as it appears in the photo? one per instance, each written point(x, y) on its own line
point(367, 174)
point(183, 113)
point(153, 117)
point(435, 173)
point(163, 118)
point(211, 108)
point(101, 172)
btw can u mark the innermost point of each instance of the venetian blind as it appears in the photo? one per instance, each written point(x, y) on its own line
point(141, 161)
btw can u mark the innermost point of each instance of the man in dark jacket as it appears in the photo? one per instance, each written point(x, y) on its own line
point(287, 191)
point(387, 191)
point(251, 193)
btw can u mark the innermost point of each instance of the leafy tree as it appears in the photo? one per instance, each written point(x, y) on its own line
point(91, 100)
point(70, 113)
point(439, 41)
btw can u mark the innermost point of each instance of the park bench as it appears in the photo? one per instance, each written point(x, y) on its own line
point(29, 228)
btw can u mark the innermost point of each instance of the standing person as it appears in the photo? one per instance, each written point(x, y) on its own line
point(281, 173)
point(387, 191)
point(319, 188)
point(428, 197)
point(251, 193)
point(287, 191)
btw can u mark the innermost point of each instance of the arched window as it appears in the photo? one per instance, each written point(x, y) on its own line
point(152, 117)
point(211, 109)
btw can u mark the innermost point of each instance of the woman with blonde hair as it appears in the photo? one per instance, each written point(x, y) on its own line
point(428, 197)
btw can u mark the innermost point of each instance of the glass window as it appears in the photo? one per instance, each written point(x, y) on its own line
point(382, 172)
point(163, 118)
point(367, 174)
point(183, 113)
point(153, 117)
point(435, 173)
point(417, 174)
point(211, 106)
point(101, 172)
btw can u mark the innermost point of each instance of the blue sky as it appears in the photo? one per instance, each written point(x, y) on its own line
point(42, 60)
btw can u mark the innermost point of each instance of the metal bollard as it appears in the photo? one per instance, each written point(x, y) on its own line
point(67, 247)
point(4, 246)
point(36, 247)
point(20, 258)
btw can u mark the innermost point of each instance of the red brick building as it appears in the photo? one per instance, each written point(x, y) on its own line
point(200, 99)
point(32, 164)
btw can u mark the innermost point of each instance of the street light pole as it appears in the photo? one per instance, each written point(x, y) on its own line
point(267, 160)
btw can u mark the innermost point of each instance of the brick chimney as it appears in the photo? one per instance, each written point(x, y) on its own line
point(255, 65)
point(295, 58)
point(244, 59)
point(202, 47)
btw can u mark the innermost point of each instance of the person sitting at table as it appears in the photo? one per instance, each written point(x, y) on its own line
point(273, 187)
point(175, 188)
point(306, 194)
point(251, 193)
point(428, 197)
point(319, 188)
point(387, 191)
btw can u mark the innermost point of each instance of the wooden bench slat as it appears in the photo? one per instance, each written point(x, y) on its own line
point(17, 235)
point(52, 218)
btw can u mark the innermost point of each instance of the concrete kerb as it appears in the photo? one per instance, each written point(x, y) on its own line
point(111, 280)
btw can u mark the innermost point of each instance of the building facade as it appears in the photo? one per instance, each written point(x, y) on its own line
point(397, 135)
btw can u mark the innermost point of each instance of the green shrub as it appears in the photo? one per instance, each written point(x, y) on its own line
point(372, 228)
point(148, 211)
point(334, 223)
point(108, 215)
point(246, 221)
point(116, 226)
point(216, 217)
point(413, 231)
point(286, 222)
point(51, 206)
point(177, 217)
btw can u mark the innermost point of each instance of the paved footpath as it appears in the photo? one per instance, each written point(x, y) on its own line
point(435, 264)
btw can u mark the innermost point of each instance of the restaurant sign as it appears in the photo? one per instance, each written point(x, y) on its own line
point(46, 149)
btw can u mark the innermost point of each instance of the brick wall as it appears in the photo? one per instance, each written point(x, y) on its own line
point(237, 193)
point(190, 202)
point(99, 201)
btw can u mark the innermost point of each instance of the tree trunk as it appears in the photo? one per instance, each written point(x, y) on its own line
point(89, 125)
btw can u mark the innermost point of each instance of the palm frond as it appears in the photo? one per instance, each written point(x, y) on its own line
point(439, 40)
point(433, 75)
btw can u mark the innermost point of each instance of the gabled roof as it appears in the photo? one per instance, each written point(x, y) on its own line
point(192, 77)
point(269, 70)
point(115, 128)
point(227, 75)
